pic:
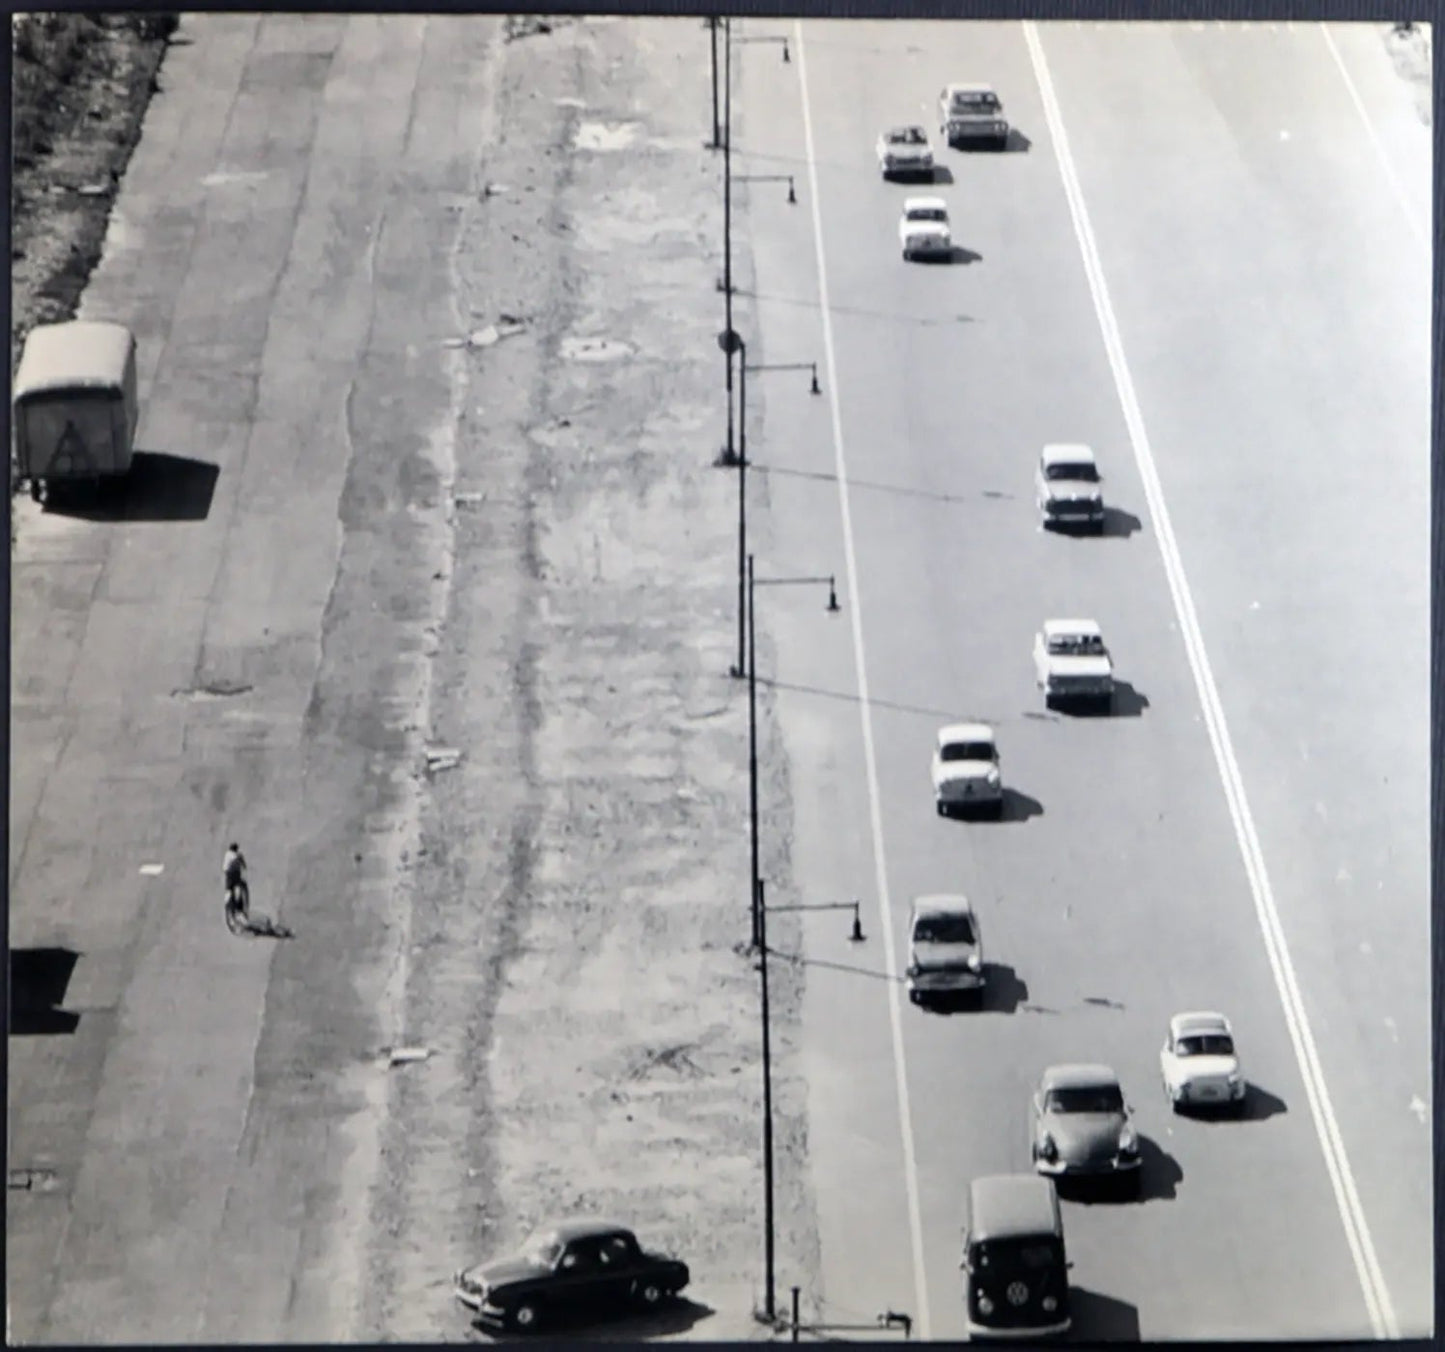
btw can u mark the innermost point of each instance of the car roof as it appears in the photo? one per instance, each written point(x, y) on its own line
point(1067, 451)
point(969, 87)
point(965, 732)
point(1081, 1076)
point(584, 1227)
point(1073, 627)
point(903, 128)
point(930, 203)
point(1198, 1021)
point(1005, 1205)
point(74, 354)
point(942, 903)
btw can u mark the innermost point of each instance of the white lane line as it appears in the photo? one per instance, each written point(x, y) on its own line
point(1352, 1216)
point(895, 1012)
point(1416, 227)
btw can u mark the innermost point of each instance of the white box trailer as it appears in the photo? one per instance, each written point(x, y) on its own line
point(75, 404)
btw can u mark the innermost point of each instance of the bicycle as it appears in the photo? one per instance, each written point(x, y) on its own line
point(238, 907)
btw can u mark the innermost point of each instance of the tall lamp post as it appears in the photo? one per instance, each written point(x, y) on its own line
point(759, 916)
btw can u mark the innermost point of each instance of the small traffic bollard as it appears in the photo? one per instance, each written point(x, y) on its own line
point(832, 596)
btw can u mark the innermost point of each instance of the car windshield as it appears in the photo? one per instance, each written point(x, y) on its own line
point(1077, 645)
point(944, 929)
point(975, 102)
point(927, 214)
point(1093, 1098)
point(1012, 1255)
point(906, 136)
point(968, 751)
point(1070, 469)
point(1206, 1044)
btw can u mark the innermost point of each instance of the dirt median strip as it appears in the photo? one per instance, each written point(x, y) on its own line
point(594, 1027)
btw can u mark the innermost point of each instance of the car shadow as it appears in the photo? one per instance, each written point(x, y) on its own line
point(1019, 807)
point(1018, 143)
point(942, 175)
point(1127, 703)
point(159, 487)
point(38, 980)
point(1259, 1105)
point(670, 1318)
point(1097, 1318)
point(1159, 1172)
point(1119, 524)
point(1157, 1179)
point(1003, 989)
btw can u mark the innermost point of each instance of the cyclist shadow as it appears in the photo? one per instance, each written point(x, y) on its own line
point(247, 926)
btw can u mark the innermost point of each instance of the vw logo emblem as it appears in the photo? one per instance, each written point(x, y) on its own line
point(1017, 1293)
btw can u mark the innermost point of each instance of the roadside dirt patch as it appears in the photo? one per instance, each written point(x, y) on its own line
point(82, 84)
point(1409, 45)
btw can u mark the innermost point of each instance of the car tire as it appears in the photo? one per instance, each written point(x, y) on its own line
point(942, 809)
point(525, 1317)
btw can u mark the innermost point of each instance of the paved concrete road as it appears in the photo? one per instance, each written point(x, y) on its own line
point(1252, 227)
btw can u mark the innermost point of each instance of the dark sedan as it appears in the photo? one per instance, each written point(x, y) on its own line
point(575, 1270)
point(1081, 1126)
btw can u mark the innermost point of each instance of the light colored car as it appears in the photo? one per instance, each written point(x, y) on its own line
point(971, 112)
point(1080, 1125)
point(1071, 662)
point(923, 230)
point(945, 948)
point(1198, 1063)
point(1066, 486)
point(905, 150)
point(966, 769)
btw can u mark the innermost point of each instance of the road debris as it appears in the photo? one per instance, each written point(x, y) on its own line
point(402, 1056)
point(442, 758)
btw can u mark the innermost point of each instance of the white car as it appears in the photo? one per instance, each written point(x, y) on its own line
point(965, 769)
point(905, 150)
point(1071, 662)
point(1198, 1063)
point(1066, 486)
point(923, 228)
point(945, 949)
point(969, 113)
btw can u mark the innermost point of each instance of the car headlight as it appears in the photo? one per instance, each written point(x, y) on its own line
point(1049, 1303)
point(1128, 1141)
point(985, 1305)
point(914, 969)
point(1233, 1078)
point(993, 775)
point(1047, 1149)
point(975, 963)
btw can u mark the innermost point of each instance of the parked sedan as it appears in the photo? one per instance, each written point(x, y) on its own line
point(1072, 663)
point(1198, 1062)
point(905, 150)
point(1081, 1126)
point(578, 1268)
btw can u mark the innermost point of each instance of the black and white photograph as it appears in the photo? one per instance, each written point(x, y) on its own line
point(719, 677)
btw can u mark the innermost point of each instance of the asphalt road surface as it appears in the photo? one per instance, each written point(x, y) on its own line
point(1205, 254)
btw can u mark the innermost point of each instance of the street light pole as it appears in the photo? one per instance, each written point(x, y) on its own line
point(728, 216)
point(712, 27)
point(757, 926)
point(769, 1309)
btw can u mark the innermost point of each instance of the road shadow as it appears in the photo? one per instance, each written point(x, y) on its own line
point(1259, 1106)
point(801, 960)
point(1127, 703)
point(956, 254)
point(1098, 1318)
point(159, 487)
point(923, 321)
point(1019, 807)
point(900, 490)
point(1003, 989)
point(38, 980)
point(1119, 524)
point(672, 1317)
point(1017, 144)
point(1159, 1172)
point(942, 175)
point(933, 715)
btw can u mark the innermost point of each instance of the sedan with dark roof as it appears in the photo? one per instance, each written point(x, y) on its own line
point(1081, 1126)
point(578, 1269)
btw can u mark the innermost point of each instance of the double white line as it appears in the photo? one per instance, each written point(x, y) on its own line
point(1357, 1232)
